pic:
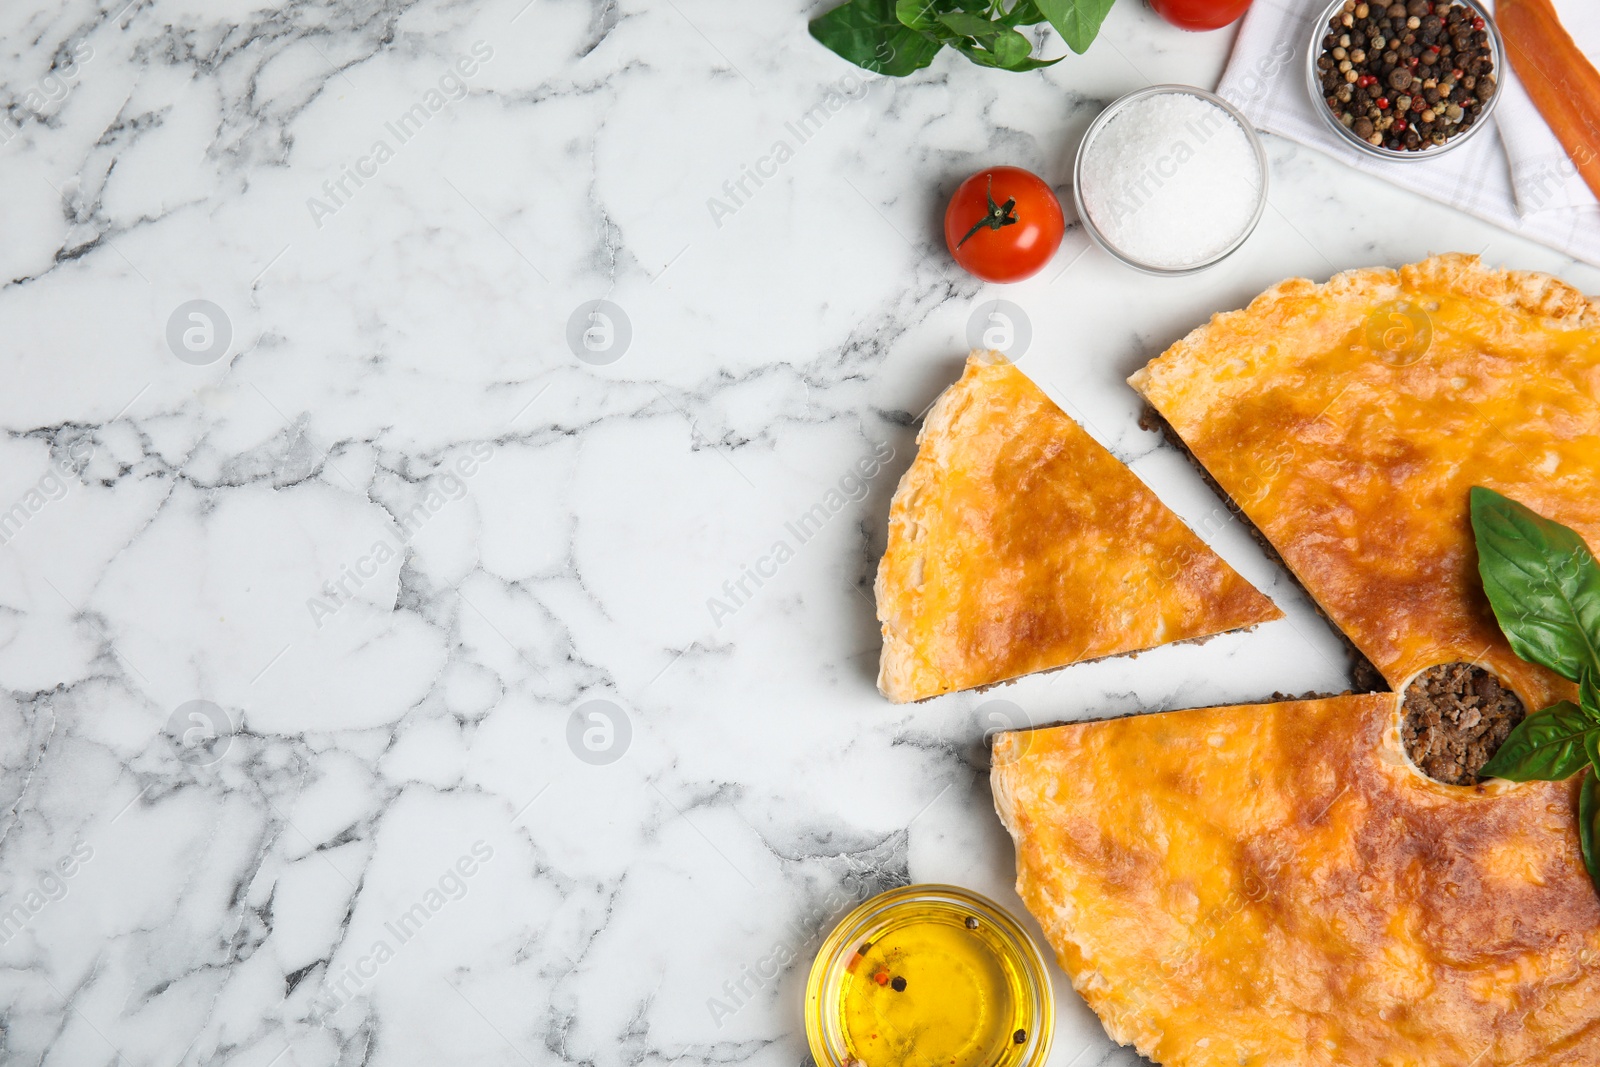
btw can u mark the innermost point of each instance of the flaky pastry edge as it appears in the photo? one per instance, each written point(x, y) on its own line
point(1451, 274)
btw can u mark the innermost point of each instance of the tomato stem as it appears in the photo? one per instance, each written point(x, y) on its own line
point(997, 216)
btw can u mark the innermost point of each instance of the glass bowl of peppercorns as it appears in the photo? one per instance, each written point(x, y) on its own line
point(1405, 80)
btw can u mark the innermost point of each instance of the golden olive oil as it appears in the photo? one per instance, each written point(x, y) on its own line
point(934, 980)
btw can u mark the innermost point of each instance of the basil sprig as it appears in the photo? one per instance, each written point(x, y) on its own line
point(898, 37)
point(1547, 746)
point(1544, 586)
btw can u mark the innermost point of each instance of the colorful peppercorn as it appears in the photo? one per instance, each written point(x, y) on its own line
point(1407, 76)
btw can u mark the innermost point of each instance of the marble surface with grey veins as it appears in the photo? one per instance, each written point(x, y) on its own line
point(405, 405)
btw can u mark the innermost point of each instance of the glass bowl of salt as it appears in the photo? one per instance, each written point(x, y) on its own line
point(1170, 180)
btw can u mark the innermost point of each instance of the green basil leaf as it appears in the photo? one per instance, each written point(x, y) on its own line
point(1589, 822)
point(1547, 746)
point(1005, 56)
point(919, 15)
point(868, 34)
point(1542, 582)
point(1589, 695)
point(980, 56)
point(1078, 21)
point(972, 26)
point(1035, 64)
point(1029, 63)
point(1011, 47)
point(1023, 13)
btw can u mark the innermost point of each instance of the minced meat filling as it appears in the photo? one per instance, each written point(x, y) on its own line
point(1454, 718)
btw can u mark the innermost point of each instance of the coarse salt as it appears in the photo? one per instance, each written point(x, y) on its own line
point(1171, 180)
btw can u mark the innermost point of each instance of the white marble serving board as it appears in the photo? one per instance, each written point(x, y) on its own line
point(302, 587)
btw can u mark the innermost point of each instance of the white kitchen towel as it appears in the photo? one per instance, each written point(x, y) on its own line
point(1266, 80)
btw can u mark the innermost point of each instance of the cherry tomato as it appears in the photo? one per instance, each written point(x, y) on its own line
point(1199, 14)
point(1003, 224)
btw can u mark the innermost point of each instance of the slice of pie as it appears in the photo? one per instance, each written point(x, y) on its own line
point(1274, 886)
point(1350, 420)
point(1018, 544)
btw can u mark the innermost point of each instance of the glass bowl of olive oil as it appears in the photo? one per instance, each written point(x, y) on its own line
point(929, 974)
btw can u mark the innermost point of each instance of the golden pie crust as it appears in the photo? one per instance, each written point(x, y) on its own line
point(1275, 886)
point(1018, 544)
point(1349, 421)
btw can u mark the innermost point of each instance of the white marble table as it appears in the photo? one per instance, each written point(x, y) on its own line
point(299, 597)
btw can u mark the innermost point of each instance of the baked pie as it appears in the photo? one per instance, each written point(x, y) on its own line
point(1274, 886)
point(1349, 421)
point(1018, 544)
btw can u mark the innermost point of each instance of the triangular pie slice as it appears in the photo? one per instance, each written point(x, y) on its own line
point(1275, 886)
point(1018, 544)
point(1350, 421)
